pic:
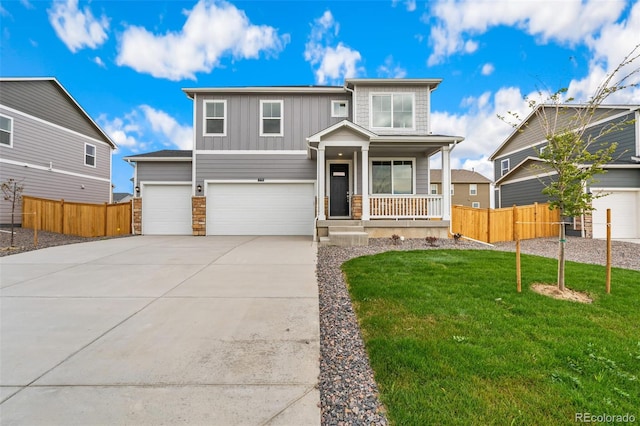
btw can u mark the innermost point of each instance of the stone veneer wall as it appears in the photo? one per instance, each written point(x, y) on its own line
point(199, 215)
point(588, 225)
point(356, 207)
point(136, 224)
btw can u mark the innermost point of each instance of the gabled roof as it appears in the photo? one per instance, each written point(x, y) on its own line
point(527, 162)
point(459, 176)
point(191, 92)
point(432, 83)
point(341, 125)
point(26, 94)
point(162, 155)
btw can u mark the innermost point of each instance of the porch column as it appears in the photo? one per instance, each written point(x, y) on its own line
point(428, 174)
point(321, 185)
point(446, 183)
point(365, 183)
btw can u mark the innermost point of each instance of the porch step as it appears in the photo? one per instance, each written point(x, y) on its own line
point(345, 236)
point(347, 228)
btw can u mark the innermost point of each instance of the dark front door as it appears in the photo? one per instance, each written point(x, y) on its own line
point(338, 190)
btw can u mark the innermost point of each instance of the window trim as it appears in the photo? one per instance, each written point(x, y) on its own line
point(346, 108)
point(10, 144)
point(504, 170)
point(475, 204)
point(392, 94)
point(392, 159)
point(272, 101)
point(95, 155)
point(434, 187)
point(205, 118)
point(452, 190)
point(473, 189)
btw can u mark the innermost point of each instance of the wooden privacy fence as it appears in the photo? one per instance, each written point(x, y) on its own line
point(494, 225)
point(84, 220)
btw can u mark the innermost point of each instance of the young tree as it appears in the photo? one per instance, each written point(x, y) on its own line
point(12, 192)
point(576, 149)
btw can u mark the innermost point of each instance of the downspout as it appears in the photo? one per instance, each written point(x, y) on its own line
point(315, 219)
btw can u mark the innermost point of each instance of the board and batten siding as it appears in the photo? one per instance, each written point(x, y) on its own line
point(164, 171)
point(421, 114)
point(44, 99)
point(40, 144)
point(51, 185)
point(303, 115)
point(254, 167)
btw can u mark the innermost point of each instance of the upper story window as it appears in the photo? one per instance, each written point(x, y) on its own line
point(215, 118)
point(6, 130)
point(392, 110)
point(89, 155)
point(339, 108)
point(473, 189)
point(270, 118)
point(434, 189)
point(392, 176)
point(504, 166)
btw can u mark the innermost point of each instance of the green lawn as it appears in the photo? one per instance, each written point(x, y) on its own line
point(452, 342)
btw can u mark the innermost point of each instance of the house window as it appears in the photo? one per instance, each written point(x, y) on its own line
point(215, 114)
point(473, 189)
point(392, 111)
point(339, 108)
point(475, 205)
point(452, 192)
point(434, 189)
point(392, 177)
point(270, 118)
point(89, 155)
point(6, 130)
point(504, 167)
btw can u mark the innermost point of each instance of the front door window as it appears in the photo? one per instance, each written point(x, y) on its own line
point(338, 190)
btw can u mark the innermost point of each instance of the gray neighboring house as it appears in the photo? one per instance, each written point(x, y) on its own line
point(51, 145)
point(520, 175)
point(264, 156)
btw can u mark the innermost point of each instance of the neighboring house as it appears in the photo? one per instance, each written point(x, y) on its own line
point(122, 197)
point(263, 156)
point(50, 145)
point(468, 188)
point(520, 175)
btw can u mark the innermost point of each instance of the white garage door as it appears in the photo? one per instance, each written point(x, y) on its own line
point(260, 208)
point(625, 220)
point(166, 209)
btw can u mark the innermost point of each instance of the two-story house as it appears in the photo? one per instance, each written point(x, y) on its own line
point(50, 145)
point(468, 188)
point(299, 160)
point(520, 175)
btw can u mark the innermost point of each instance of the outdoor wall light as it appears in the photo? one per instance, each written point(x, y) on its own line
point(199, 188)
point(137, 190)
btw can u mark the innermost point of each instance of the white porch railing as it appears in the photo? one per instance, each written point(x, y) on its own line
point(405, 206)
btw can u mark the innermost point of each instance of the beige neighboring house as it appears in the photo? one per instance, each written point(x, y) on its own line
point(468, 188)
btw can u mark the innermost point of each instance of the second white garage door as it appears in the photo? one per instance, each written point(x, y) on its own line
point(166, 209)
point(267, 208)
point(625, 222)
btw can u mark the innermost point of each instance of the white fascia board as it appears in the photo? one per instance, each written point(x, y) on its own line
point(419, 139)
point(344, 123)
point(191, 92)
point(52, 170)
point(142, 159)
point(518, 166)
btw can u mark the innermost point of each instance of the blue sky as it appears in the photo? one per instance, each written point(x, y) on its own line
point(125, 62)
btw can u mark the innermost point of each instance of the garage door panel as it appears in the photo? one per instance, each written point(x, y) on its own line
point(260, 209)
point(624, 207)
point(166, 210)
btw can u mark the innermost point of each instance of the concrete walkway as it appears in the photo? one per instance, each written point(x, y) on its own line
point(161, 331)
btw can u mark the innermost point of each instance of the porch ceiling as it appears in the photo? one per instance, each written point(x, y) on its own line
point(379, 150)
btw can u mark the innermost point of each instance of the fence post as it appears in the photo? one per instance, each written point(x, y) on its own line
point(535, 220)
point(106, 215)
point(489, 225)
point(515, 219)
point(62, 216)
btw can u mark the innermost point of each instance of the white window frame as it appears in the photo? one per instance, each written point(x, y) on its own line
point(475, 204)
point(272, 101)
point(10, 131)
point(224, 117)
point(392, 94)
point(452, 191)
point(473, 189)
point(346, 108)
point(95, 155)
point(504, 169)
point(434, 189)
point(392, 159)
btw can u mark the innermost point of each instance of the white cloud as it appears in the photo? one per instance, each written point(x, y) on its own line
point(567, 22)
point(98, 61)
point(391, 70)
point(144, 127)
point(213, 30)
point(77, 28)
point(409, 4)
point(332, 64)
point(488, 69)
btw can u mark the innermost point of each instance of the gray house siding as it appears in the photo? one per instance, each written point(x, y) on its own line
point(515, 158)
point(254, 167)
point(522, 193)
point(618, 178)
point(303, 115)
point(45, 100)
point(51, 185)
point(164, 171)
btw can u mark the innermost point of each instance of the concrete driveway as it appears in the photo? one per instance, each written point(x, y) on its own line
point(161, 330)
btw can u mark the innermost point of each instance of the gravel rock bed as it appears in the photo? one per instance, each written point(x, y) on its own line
point(348, 392)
